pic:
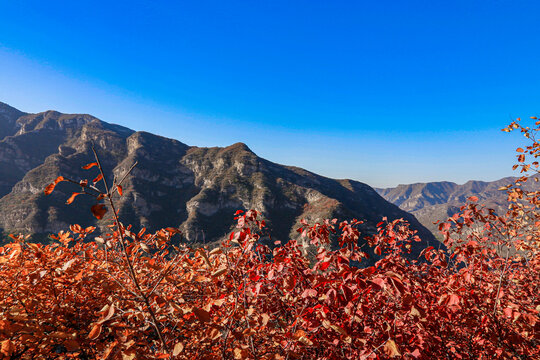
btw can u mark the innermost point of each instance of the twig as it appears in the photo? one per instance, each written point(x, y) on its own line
point(126, 256)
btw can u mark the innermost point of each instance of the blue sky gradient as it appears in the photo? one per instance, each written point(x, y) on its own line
point(384, 92)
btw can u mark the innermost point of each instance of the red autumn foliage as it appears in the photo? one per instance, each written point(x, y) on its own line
point(134, 295)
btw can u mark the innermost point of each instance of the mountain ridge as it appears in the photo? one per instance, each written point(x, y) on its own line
point(197, 189)
point(433, 201)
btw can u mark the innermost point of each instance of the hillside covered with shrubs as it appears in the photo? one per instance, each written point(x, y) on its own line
point(131, 294)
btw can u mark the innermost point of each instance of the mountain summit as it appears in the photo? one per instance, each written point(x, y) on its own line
point(194, 188)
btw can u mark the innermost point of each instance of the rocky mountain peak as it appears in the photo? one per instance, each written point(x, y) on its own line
point(8, 120)
point(239, 146)
point(53, 120)
point(5, 108)
point(195, 188)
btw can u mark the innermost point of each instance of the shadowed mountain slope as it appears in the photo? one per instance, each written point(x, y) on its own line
point(196, 189)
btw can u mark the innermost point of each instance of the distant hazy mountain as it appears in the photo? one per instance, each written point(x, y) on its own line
point(433, 201)
point(196, 189)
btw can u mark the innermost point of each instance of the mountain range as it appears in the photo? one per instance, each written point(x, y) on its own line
point(433, 201)
point(197, 189)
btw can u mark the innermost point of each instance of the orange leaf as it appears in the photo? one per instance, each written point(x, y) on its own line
point(473, 198)
point(94, 333)
point(99, 210)
point(390, 349)
point(110, 312)
point(7, 348)
point(88, 166)
point(520, 150)
point(109, 350)
point(99, 177)
point(49, 189)
point(240, 353)
point(119, 188)
point(219, 272)
point(72, 197)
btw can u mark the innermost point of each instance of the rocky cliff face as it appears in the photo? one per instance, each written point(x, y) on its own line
point(196, 189)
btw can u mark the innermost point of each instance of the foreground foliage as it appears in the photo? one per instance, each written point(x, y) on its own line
point(133, 295)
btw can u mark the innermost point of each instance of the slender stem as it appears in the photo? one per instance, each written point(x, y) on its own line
point(375, 350)
point(500, 282)
point(126, 256)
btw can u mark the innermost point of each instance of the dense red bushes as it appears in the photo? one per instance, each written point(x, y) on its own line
point(133, 295)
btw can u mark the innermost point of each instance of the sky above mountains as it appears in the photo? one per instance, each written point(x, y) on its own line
point(384, 92)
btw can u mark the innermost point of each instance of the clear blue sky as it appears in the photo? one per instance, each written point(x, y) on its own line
point(384, 92)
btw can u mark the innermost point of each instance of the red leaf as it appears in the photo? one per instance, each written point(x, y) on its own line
point(49, 189)
point(99, 210)
point(453, 299)
point(309, 293)
point(119, 188)
point(202, 315)
point(379, 282)
point(71, 345)
point(473, 198)
point(378, 250)
point(427, 251)
point(72, 197)
point(519, 150)
point(88, 166)
point(324, 265)
point(416, 353)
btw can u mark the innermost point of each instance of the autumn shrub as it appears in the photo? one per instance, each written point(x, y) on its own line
point(129, 294)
